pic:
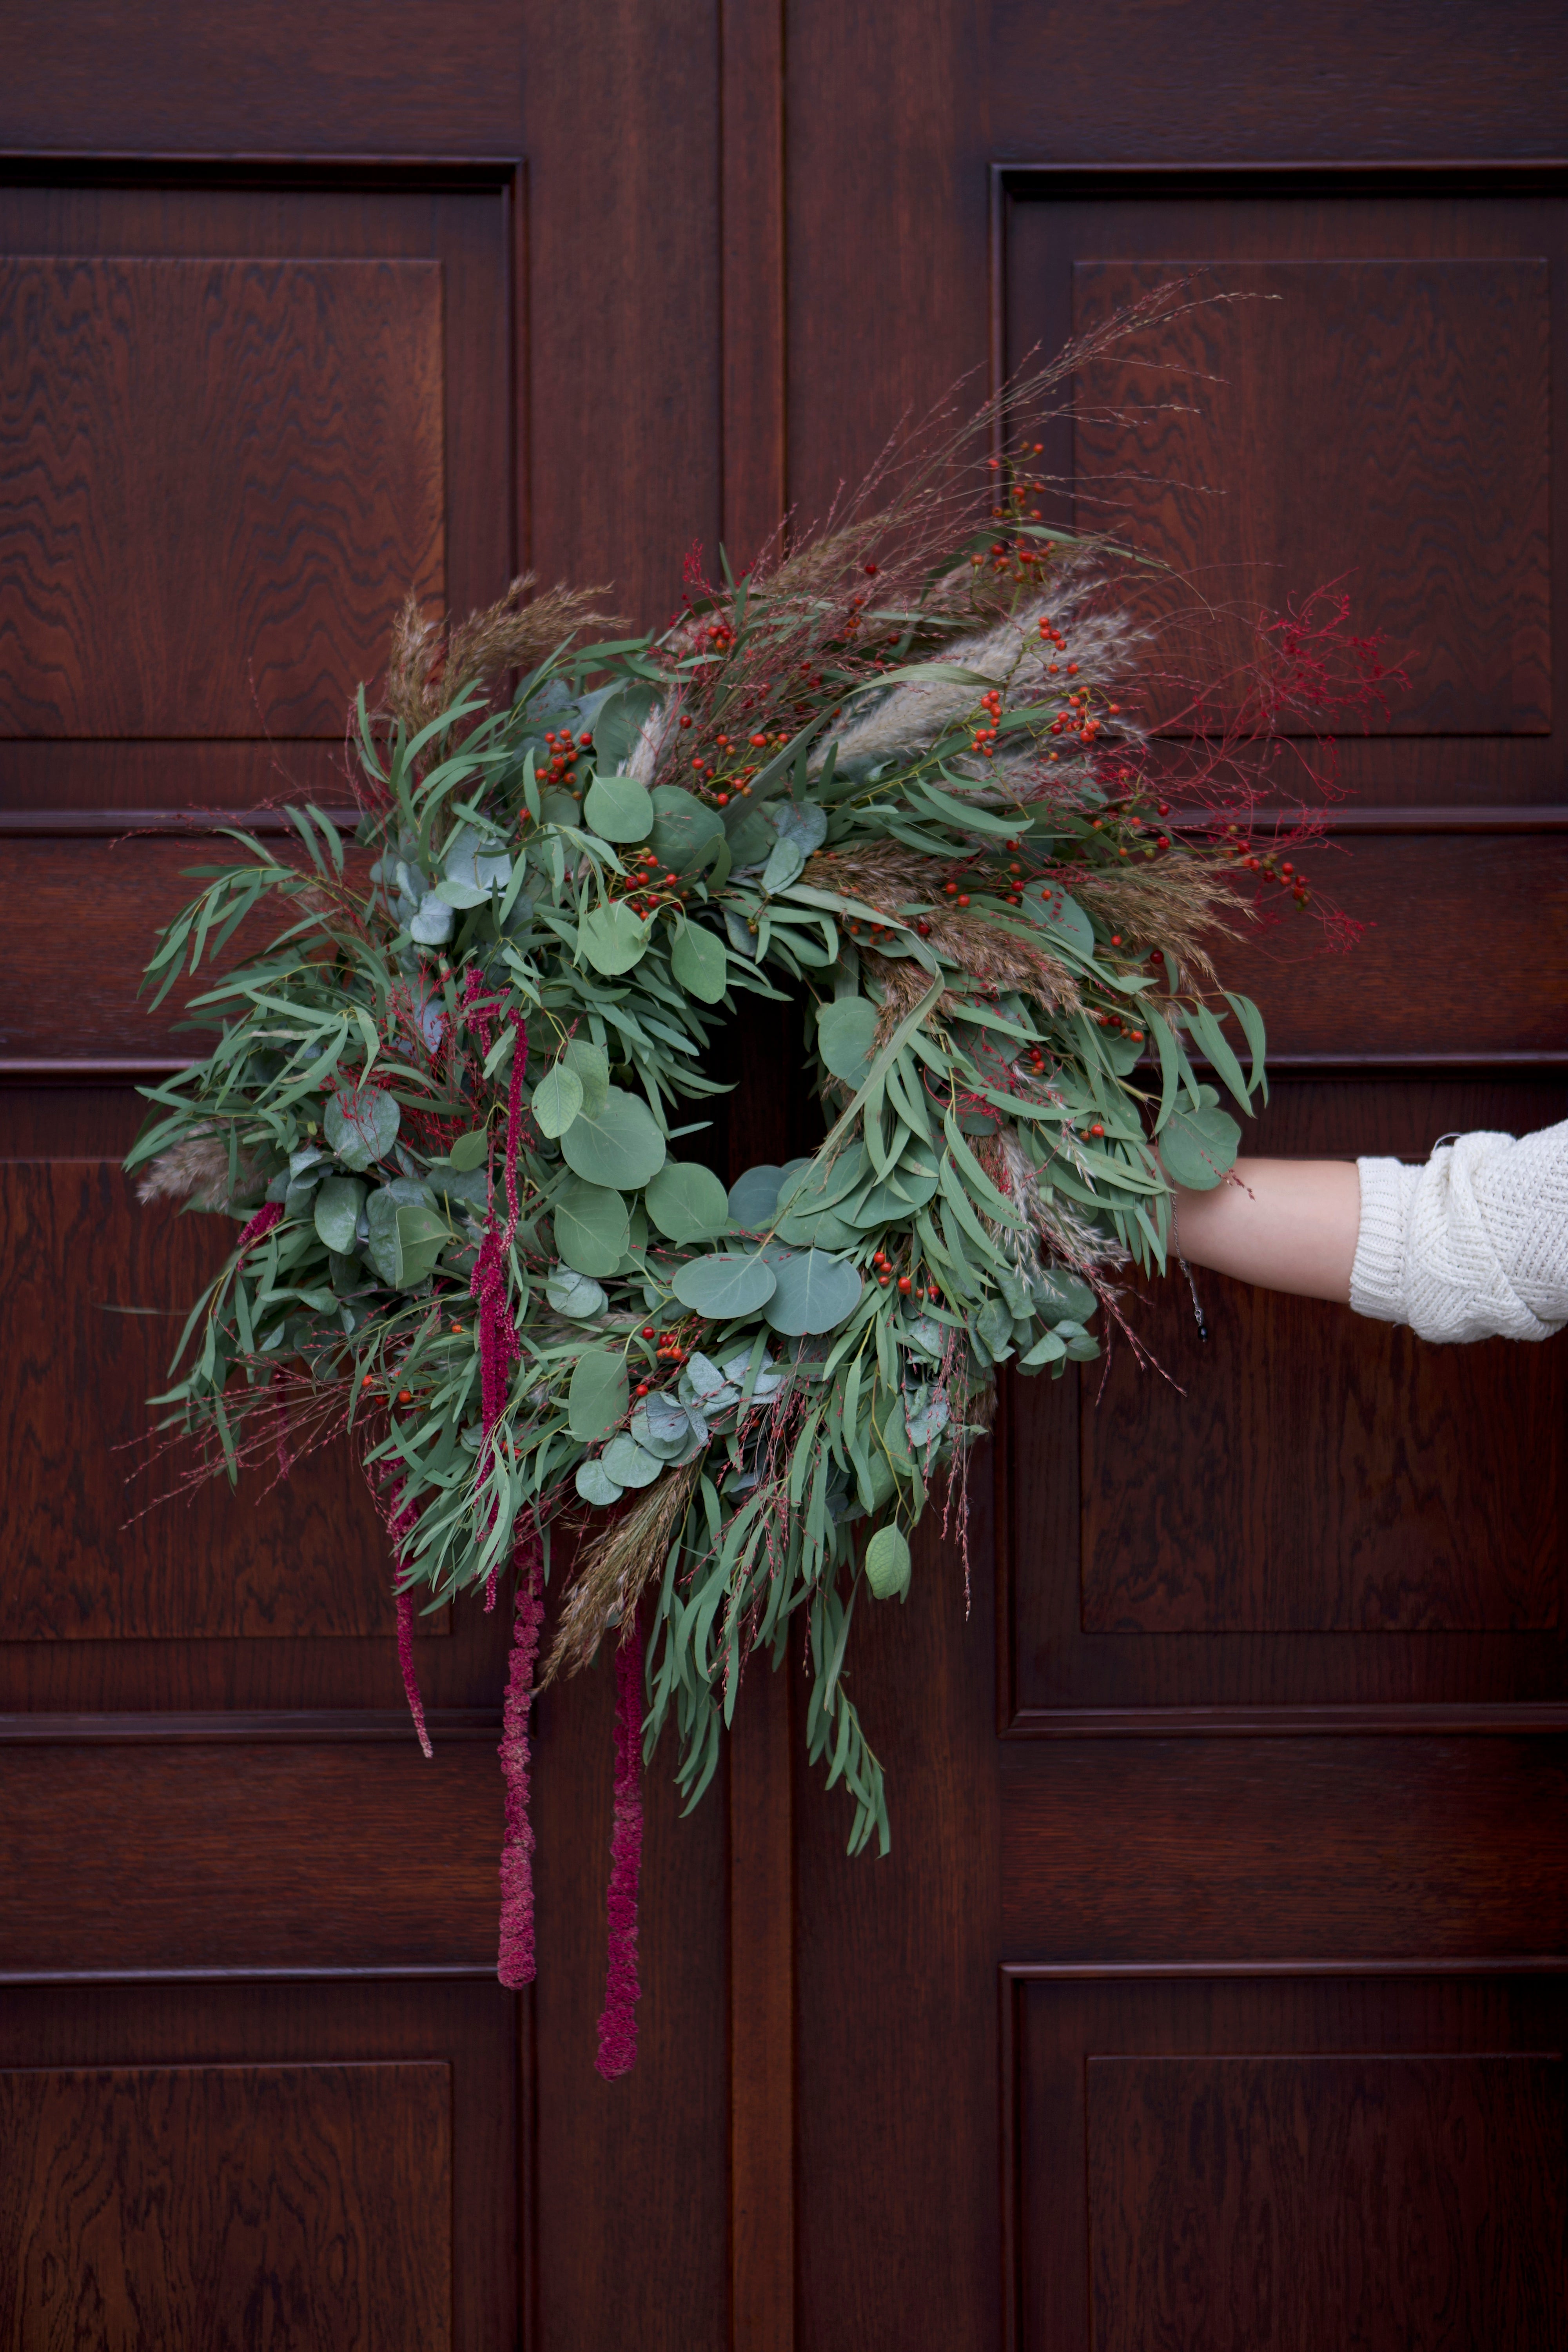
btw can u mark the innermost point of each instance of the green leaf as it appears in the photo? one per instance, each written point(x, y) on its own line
point(337, 1206)
point(687, 1202)
point(557, 1099)
point(847, 1036)
point(1252, 1029)
point(471, 1151)
point(1062, 918)
point(816, 1292)
point(592, 1228)
point(471, 867)
point(1197, 1147)
point(725, 1284)
point(612, 937)
point(598, 1395)
point(573, 1294)
point(700, 963)
point(629, 1463)
point(1214, 1042)
point(888, 1563)
point(684, 828)
point(618, 1145)
point(754, 1196)
point(595, 1484)
point(785, 863)
point(618, 808)
point(362, 1126)
point(591, 1064)
point(1062, 1297)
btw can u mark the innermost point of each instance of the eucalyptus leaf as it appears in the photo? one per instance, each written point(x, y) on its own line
point(847, 1038)
point(362, 1127)
point(684, 828)
point(1197, 1147)
point(611, 939)
point(557, 1099)
point(591, 1064)
point(629, 1463)
point(575, 1294)
point(785, 862)
point(592, 1228)
point(596, 1485)
point(725, 1284)
point(753, 1196)
point(619, 1144)
point(337, 1206)
point(699, 963)
point(471, 1151)
point(434, 924)
point(887, 1564)
point(597, 1397)
point(618, 808)
point(816, 1292)
point(687, 1202)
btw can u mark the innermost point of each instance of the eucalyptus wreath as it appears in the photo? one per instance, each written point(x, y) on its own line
point(897, 772)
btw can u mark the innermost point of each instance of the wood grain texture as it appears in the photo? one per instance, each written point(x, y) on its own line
point(227, 1856)
point(96, 1542)
point(224, 477)
point(370, 2034)
point(1336, 1476)
point(1283, 1849)
point(752, 206)
point(1358, 2037)
point(1403, 2204)
point(761, 2018)
point(222, 2206)
point(1384, 424)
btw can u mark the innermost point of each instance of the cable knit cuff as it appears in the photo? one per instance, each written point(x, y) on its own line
point(1377, 1276)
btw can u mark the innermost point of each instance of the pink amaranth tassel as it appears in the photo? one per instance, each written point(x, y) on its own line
point(270, 1213)
point(515, 1966)
point(618, 2025)
point(402, 1525)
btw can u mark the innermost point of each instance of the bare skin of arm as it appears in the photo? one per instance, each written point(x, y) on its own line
point(1287, 1224)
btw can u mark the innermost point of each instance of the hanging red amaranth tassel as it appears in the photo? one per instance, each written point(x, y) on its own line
point(402, 1525)
point(269, 1214)
point(618, 2025)
point(515, 1965)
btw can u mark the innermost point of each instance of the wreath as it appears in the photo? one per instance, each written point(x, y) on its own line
point(897, 772)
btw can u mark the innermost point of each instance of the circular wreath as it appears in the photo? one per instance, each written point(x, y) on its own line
point(896, 772)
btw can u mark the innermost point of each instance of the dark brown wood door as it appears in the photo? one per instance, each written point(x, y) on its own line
point(1212, 1994)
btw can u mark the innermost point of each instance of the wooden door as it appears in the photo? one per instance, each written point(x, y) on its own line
point(1212, 1994)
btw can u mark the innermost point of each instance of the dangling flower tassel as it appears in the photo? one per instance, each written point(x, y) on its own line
point(270, 1213)
point(401, 1526)
point(618, 2025)
point(405, 1660)
point(515, 1966)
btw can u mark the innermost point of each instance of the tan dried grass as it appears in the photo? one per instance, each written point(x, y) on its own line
point(616, 1569)
point(430, 662)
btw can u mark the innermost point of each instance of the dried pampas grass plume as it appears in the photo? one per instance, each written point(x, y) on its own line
point(610, 1581)
point(195, 1170)
point(429, 664)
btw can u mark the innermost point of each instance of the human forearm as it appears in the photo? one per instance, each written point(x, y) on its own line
point(1285, 1224)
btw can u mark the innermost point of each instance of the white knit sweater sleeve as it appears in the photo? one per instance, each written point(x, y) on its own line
point(1474, 1245)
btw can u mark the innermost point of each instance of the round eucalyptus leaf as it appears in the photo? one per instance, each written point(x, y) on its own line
point(845, 1037)
point(687, 1202)
point(592, 1228)
point(557, 1099)
point(591, 1064)
point(887, 1564)
point(754, 1196)
point(629, 1463)
point(337, 1206)
point(725, 1284)
point(700, 964)
point(471, 1151)
point(597, 1397)
point(683, 827)
point(1061, 917)
point(785, 860)
point(1197, 1147)
point(575, 1294)
point(433, 925)
point(618, 808)
point(362, 1126)
point(611, 939)
point(816, 1292)
point(1063, 1297)
point(595, 1484)
point(619, 1144)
